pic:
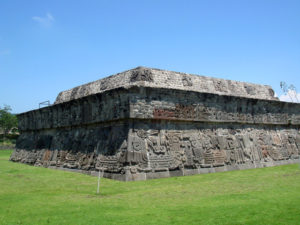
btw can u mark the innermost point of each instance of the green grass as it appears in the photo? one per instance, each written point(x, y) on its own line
point(32, 195)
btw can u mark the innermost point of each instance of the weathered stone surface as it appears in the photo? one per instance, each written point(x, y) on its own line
point(149, 77)
point(139, 131)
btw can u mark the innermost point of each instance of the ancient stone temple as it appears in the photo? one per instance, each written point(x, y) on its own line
point(149, 123)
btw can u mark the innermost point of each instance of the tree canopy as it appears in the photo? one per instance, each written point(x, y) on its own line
point(7, 119)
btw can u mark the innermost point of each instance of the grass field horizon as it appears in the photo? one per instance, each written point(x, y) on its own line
point(34, 195)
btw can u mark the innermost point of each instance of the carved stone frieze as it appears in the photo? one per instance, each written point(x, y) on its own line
point(132, 126)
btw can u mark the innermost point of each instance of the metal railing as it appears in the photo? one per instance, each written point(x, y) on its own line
point(44, 104)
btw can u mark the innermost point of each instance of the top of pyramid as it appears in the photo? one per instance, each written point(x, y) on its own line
point(150, 77)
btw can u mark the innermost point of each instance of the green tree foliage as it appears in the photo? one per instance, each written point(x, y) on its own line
point(8, 121)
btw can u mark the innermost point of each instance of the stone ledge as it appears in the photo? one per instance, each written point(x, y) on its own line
point(128, 176)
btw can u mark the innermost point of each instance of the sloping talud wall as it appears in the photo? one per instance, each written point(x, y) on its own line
point(138, 133)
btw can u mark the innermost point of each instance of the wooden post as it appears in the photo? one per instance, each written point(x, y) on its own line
point(99, 176)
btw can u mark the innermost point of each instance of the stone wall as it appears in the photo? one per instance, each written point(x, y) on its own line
point(184, 148)
point(138, 133)
point(93, 109)
point(72, 148)
point(159, 103)
point(153, 149)
point(5, 147)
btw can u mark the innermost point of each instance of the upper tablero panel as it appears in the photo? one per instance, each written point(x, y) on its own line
point(149, 77)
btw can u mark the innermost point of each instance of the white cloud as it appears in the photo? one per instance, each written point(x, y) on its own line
point(5, 52)
point(46, 21)
point(291, 96)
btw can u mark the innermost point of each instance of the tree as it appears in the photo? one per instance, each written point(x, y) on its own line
point(291, 91)
point(7, 119)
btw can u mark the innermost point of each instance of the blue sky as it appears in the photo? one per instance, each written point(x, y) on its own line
point(50, 46)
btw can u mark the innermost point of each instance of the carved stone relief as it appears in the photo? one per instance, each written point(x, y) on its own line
point(187, 81)
point(204, 148)
point(141, 74)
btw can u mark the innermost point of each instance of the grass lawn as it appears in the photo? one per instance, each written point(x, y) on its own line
point(32, 195)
